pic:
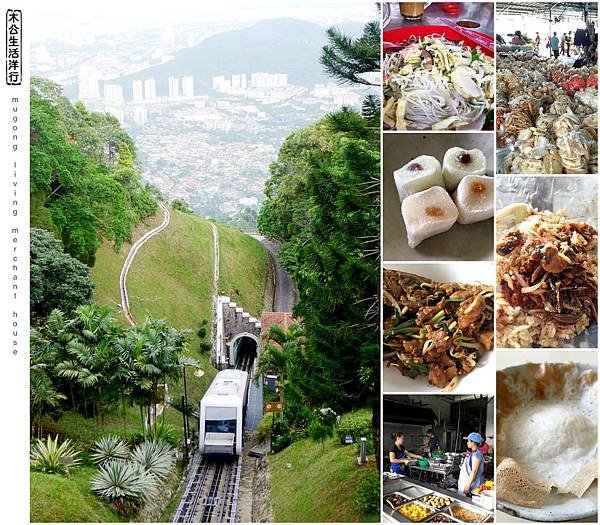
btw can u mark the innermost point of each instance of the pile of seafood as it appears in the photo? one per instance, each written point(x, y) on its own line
point(546, 272)
point(547, 114)
point(435, 83)
point(440, 330)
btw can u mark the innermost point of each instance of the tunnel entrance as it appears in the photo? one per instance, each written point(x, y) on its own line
point(244, 349)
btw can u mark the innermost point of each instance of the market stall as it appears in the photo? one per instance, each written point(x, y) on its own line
point(438, 466)
point(547, 88)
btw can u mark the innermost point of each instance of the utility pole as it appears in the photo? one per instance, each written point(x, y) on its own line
point(185, 430)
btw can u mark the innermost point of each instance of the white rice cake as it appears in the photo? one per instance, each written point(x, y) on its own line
point(419, 174)
point(428, 213)
point(459, 163)
point(474, 199)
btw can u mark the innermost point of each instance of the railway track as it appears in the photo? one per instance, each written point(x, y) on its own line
point(211, 493)
point(131, 255)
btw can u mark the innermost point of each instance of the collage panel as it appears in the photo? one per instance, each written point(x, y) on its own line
point(535, 216)
point(547, 87)
point(546, 262)
point(547, 436)
point(438, 196)
point(438, 66)
point(438, 327)
point(438, 458)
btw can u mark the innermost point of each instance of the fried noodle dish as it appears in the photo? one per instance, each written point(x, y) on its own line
point(435, 83)
point(546, 272)
point(439, 330)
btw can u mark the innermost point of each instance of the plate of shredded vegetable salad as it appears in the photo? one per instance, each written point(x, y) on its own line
point(436, 79)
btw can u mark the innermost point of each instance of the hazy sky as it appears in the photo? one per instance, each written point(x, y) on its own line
point(58, 17)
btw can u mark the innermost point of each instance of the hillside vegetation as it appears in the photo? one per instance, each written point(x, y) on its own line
point(321, 484)
point(67, 498)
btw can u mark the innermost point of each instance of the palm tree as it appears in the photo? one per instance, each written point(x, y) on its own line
point(154, 353)
point(43, 394)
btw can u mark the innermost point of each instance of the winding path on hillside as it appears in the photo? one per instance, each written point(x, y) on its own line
point(131, 255)
point(285, 290)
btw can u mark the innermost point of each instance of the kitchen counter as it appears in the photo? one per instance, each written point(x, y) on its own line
point(482, 13)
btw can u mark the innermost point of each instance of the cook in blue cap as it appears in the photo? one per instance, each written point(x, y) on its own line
point(472, 467)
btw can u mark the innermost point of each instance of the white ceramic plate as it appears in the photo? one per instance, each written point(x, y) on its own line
point(557, 507)
point(483, 378)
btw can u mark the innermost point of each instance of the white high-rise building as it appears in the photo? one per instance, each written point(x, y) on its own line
point(113, 93)
point(149, 89)
point(282, 80)
point(238, 81)
point(117, 113)
point(138, 90)
point(217, 82)
point(187, 86)
point(173, 87)
point(140, 115)
point(268, 80)
point(89, 86)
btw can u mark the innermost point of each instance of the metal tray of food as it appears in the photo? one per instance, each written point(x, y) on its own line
point(396, 499)
point(441, 517)
point(431, 500)
point(457, 510)
point(415, 511)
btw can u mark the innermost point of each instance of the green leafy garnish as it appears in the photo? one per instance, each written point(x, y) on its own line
point(416, 369)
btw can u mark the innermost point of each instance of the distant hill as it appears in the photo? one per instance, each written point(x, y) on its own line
point(282, 45)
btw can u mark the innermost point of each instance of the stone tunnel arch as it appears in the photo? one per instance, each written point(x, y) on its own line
point(241, 343)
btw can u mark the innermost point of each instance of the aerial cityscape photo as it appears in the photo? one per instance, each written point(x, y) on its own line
point(206, 121)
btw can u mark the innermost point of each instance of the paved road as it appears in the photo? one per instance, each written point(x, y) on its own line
point(131, 255)
point(285, 290)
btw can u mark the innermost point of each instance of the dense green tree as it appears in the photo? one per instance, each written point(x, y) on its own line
point(83, 173)
point(330, 235)
point(181, 205)
point(57, 280)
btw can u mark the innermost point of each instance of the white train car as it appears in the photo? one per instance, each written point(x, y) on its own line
point(222, 411)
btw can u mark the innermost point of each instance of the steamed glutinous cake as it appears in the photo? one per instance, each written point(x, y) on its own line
point(419, 174)
point(546, 433)
point(474, 199)
point(428, 213)
point(459, 162)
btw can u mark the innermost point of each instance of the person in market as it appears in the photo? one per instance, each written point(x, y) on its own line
point(562, 43)
point(568, 40)
point(399, 455)
point(554, 45)
point(537, 42)
point(434, 442)
point(471, 469)
point(518, 39)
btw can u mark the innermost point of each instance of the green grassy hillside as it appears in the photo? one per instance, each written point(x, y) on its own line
point(56, 498)
point(172, 277)
point(320, 486)
point(243, 280)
